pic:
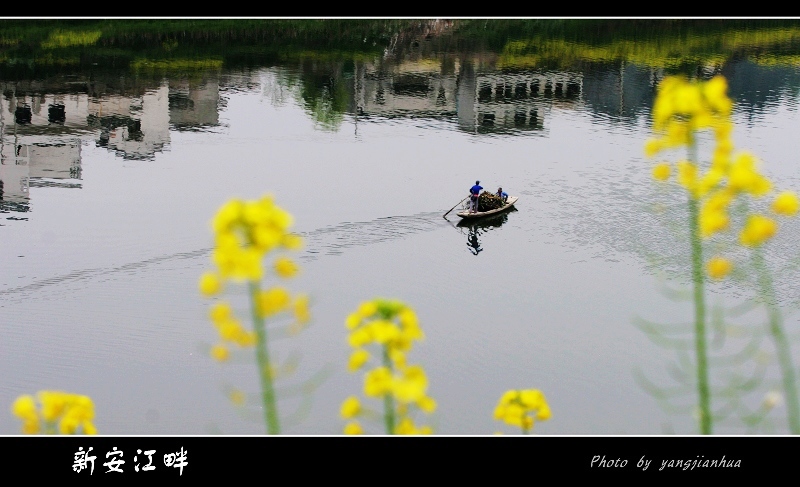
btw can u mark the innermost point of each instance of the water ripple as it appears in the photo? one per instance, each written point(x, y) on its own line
point(330, 240)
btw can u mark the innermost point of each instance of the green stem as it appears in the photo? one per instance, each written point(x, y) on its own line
point(698, 278)
point(262, 359)
point(781, 342)
point(388, 399)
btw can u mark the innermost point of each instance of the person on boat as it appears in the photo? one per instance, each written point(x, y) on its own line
point(502, 194)
point(474, 192)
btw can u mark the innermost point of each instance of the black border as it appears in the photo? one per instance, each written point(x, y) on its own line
point(405, 458)
point(409, 458)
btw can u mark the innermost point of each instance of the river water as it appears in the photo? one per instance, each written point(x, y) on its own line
point(111, 176)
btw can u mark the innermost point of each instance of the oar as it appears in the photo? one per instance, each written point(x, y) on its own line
point(454, 207)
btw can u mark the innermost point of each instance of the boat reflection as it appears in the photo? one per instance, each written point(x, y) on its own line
point(478, 227)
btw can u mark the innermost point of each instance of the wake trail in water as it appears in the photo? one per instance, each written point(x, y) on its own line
point(330, 240)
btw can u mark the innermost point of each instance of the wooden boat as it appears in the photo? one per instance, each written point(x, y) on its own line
point(465, 213)
point(486, 223)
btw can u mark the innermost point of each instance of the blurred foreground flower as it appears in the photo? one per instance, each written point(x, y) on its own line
point(718, 267)
point(55, 412)
point(244, 233)
point(522, 408)
point(382, 332)
point(682, 109)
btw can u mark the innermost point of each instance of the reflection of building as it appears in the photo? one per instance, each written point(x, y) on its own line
point(38, 164)
point(42, 127)
point(134, 127)
point(33, 154)
point(621, 90)
point(193, 107)
point(495, 102)
point(480, 102)
point(411, 90)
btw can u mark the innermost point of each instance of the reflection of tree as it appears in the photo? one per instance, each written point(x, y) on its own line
point(324, 93)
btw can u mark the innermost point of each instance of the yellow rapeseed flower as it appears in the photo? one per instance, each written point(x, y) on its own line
point(653, 147)
point(273, 301)
point(716, 92)
point(513, 414)
point(352, 321)
point(408, 319)
point(543, 413)
point(353, 428)
point(531, 398)
point(359, 337)
point(520, 407)
point(688, 99)
point(245, 338)
point(407, 427)
point(230, 329)
point(350, 407)
point(301, 309)
point(210, 284)
point(682, 107)
point(24, 407)
point(757, 230)
point(785, 204)
point(712, 221)
point(286, 267)
point(427, 404)
point(678, 134)
point(89, 428)
point(220, 353)
point(743, 175)
point(266, 238)
point(509, 396)
point(227, 215)
point(367, 309)
point(687, 175)
point(721, 157)
point(723, 129)
point(357, 359)
point(68, 425)
point(59, 411)
point(718, 200)
point(710, 180)
point(244, 233)
point(291, 242)
point(378, 382)
point(31, 427)
point(384, 331)
point(390, 326)
point(398, 358)
point(388, 323)
point(53, 404)
point(411, 385)
point(661, 171)
point(718, 267)
point(220, 312)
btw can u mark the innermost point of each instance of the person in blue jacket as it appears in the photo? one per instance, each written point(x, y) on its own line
point(502, 194)
point(474, 192)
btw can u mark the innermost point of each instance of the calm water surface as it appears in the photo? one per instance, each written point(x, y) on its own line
point(109, 184)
